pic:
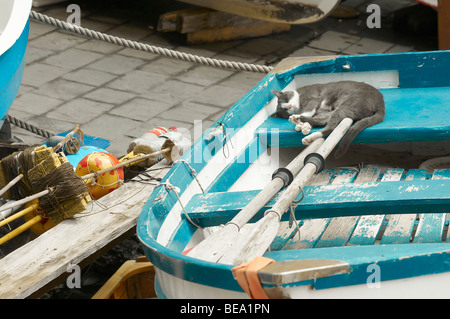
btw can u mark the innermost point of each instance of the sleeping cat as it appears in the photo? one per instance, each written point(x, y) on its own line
point(327, 104)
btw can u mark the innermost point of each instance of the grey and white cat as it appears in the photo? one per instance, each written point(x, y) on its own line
point(327, 105)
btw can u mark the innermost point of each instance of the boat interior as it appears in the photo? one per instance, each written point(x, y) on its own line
point(406, 147)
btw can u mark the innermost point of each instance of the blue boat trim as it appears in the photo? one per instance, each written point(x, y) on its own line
point(395, 261)
point(12, 63)
point(235, 169)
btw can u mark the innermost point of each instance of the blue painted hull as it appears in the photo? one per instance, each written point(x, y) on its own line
point(12, 63)
point(418, 84)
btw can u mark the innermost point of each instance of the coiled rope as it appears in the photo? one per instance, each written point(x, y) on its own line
point(231, 65)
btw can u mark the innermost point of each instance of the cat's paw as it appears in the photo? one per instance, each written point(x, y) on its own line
point(311, 138)
point(307, 140)
point(306, 128)
point(299, 127)
point(295, 119)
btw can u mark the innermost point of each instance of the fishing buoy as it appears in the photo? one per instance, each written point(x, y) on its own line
point(104, 183)
point(42, 226)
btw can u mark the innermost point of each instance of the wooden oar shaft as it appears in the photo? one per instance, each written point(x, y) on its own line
point(18, 214)
point(256, 242)
point(127, 162)
point(11, 184)
point(66, 138)
point(213, 247)
point(286, 199)
point(24, 200)
point(20, 229)
point(274, 186)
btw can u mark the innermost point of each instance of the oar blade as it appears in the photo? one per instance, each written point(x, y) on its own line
point(252, 243)
point(215, 245)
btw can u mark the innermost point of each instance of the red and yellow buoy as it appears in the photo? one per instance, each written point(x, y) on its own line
point(101, 184)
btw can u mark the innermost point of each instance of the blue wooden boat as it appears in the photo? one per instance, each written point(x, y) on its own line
point(14, 26)
point(364, 232)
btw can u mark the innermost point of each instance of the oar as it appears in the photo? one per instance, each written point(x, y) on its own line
point(212, 248)
point(258, 240)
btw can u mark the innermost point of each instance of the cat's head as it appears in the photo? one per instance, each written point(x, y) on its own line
point(288, 103)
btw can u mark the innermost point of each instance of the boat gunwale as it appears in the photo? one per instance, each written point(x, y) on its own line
point(18, 19)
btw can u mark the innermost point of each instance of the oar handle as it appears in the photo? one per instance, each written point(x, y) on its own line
point(11, 184)
point(66, 138)
point(335, 136)
point(292, 191)
point(271, 189)
point(24, 200)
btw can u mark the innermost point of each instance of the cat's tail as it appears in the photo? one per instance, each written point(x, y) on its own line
point(357, 128)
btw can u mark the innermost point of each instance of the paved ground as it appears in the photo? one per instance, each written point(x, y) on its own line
point(118, 93)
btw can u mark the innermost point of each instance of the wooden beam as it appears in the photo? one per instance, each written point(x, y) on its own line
point(204, 25)
point(256, 29)
point(444, 24)
point(402, 197)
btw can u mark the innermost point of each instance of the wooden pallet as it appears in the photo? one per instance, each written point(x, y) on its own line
point(203, 25)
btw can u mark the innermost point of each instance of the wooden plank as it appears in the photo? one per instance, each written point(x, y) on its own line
point(368, 227)
point(288, 237)
point(204, 25)
point(169, 21)
point(431, 226)
point(400, 226)
point(197, 19)
point(30, 268)
point(337, 225)
point(235, 32)
point(444, 24)
point(340, 229)
point(400, 197)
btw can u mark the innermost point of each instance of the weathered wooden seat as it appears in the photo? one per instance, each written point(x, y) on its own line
point(412, 115)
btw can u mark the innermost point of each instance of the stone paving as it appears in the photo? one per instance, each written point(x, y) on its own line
point(118, 93)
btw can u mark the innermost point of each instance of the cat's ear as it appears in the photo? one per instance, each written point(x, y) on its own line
point(277, 93)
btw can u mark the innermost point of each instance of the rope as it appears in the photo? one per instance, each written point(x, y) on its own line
point(239, 66)
point(193, 173)
point(29, 127)
point(170, 187)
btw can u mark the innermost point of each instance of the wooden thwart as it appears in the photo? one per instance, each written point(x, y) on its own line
point(205, 25)
point(325, 201)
